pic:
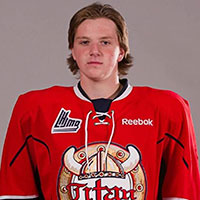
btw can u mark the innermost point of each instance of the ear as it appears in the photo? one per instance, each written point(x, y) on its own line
point(73, 54)
point(121, 55)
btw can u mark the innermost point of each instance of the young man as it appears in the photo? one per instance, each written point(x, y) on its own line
point(101, 139)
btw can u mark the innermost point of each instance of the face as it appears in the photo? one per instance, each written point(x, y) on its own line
point(96, 49)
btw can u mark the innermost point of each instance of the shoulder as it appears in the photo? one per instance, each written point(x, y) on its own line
point(47, 93)
point(43, 97)
point(162, 99)
point(157, 95)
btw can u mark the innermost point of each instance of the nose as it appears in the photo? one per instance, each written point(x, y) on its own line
point(94, 50)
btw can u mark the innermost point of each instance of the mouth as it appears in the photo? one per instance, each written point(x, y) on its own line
point(94, 63)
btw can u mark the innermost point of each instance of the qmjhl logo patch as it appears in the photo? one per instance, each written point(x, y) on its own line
point(65, 124)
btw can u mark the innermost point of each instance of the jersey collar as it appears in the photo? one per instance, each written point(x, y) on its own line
point(125, 91)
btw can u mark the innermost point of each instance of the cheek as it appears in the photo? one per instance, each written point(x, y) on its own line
point(77, 55)
point(114, 55)
point(77, 51)
point(73, 51)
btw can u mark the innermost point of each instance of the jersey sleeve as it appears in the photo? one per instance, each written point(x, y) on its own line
point(182, 178)
point(17, 173)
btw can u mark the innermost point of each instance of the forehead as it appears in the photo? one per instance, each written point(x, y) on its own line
point(96, 26)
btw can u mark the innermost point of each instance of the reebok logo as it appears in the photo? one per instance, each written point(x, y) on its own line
point(137, 122)
point(65, 124)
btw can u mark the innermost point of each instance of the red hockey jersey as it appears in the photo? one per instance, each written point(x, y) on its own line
point(58, 145)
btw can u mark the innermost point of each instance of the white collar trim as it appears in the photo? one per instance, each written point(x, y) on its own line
point(125, 93)
point(122, 96)
point(79, 94)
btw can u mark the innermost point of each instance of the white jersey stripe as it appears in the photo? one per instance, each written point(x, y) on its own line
point(174, 198)
point(18, 197)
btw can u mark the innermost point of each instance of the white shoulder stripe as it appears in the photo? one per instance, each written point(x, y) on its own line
point(174, 198)
point(18, 197)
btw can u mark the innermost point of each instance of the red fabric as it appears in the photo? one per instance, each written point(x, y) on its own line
point(156, 122)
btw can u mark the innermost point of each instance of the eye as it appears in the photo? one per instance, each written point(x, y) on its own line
point(105, 42)
point(84, 42)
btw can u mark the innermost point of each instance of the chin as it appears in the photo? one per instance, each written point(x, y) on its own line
point(96, 76)
point(96, 79)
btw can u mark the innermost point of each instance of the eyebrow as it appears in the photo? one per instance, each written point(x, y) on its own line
point(106, 37)
point(85, 37)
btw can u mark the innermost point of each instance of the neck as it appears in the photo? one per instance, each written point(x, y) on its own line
point(107, 89)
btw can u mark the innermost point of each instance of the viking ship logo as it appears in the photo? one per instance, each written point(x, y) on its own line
point(118, 176)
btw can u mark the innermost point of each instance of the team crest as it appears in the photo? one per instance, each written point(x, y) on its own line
point(93, 177)
point(65, 124)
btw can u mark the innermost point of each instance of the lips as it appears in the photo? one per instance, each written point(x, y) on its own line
point(94, 63)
